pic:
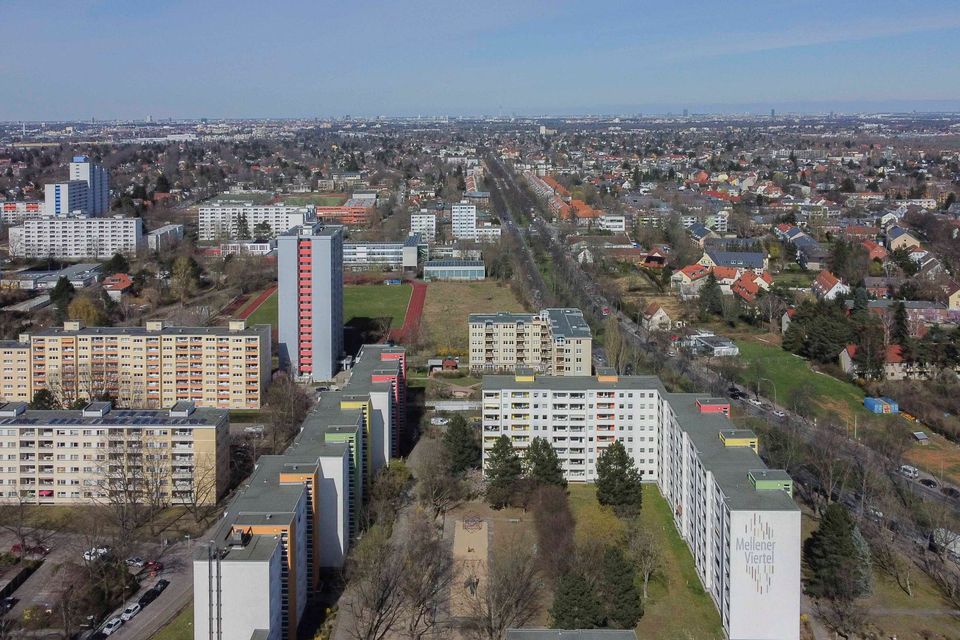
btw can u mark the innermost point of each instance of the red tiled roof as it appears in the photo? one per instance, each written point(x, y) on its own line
point(651, 310)
point(894, 354)
point(826, 281)
point(725, 273)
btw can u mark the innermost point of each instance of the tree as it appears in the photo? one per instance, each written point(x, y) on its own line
point(835, 558)
point(900, 333)
point(117, 264)
point(44, 399)
point(613, 341)
point(186, 278)
point(543, 465)
point(504, 470)
point(287, 404)
point(618, 481)
point(575, 604)
point(61, 294)
point(509, 597)
point(428, 577)
point(463, 445)
point(87, 310)
point(437, 487)
point(618, 590)
point(711, 297)
point(162, 185)
point(643, 552)
point(262, 231)
point(388, 493)
point(243, 227)
point(554, 525)
point(375, 593)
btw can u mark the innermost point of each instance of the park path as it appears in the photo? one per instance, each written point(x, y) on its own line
point(411, 319)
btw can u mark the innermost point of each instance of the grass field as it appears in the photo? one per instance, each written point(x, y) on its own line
point(448, 305)
point(789, 373)
point(180, 628)
point(798, 279)
point(359, 301)
point(677, 607)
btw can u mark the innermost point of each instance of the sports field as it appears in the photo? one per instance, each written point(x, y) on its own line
point(359, 301)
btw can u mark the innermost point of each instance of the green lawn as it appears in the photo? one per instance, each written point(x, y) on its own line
point(359, 301)
point(266, 313)
point(789, 372)
point(800, 279)
point(180, 628)
point(677, 608)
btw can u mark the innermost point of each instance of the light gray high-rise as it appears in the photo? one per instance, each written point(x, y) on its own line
point(310, 300)
point(98, 184)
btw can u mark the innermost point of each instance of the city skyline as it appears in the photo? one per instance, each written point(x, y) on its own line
point(367, 59)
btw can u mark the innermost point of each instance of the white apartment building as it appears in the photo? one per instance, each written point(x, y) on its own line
point(736, 515)
point(14, 213)
point(165, 237)
point(386, 255)
point(487, 232)
point(425, 224)
point(225, 219)
point(79, 456)
point(463, 216)
point(554, 341)
point(614, 223)
point(76, 237)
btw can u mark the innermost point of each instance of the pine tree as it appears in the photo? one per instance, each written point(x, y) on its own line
point(711, 297)
point(863, 582)
point(901, 328)
point(618, 482)
point(62, 293)
point(618, 590)
point(504, 471)
point(44, 399)
point(834, 558)
point(462, 444)
point(575, 604)
point(543, 465)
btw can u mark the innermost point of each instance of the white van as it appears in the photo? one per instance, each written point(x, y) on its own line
point(909, 471)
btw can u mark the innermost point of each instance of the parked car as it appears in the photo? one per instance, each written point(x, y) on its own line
point(36, 550)
point(930, 483)
point(154, 565)
point(874, 513)
point(605, 311)
point(132, 610)
point(255, 428)
point(161, 585)
point(8, 603)
point(755, 402)
point(96, 553)
point(113, 624)
point(950, 492)
point(439, 421)
point(135, 561)
point(779, 414)
point(909, 471)
point(148, 596)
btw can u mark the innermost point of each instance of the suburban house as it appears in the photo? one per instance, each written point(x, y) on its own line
point(116, 285)
point(753, 260)
point(920, 313)
point(687, 281)
point(812, 255)
point(655, 318)
point(827, 286)
point(874, 251)
point(898, 237)
point(699, 232)
point(895, 367)
point(882, 287)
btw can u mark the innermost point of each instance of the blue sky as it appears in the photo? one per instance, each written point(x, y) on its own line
point(211, 58)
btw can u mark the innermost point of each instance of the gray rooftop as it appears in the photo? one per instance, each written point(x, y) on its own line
point(452, 262)
point(574, 383)
point(254, 330)
point(15, 414)
point(565, 322)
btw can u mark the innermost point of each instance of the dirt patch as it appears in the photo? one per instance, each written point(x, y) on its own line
point(470, 556)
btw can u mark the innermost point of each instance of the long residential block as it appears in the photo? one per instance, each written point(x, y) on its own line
point(90, 456)
point(737, 516)
point(554, 341)
point(290, 526)
point(76, 237)
point(227, 219)
point(147, 367)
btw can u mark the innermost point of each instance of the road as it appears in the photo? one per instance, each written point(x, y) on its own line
point(592, 302)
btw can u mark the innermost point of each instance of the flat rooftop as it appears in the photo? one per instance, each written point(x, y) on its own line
point(143, 331)
point(198, 419)
point(574, 383)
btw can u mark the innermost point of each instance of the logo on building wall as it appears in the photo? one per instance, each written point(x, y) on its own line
point(759, 552)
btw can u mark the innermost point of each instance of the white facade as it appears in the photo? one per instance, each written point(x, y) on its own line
point(391, 255)
point(487, 233)
point(737, 517)
point(223, 220)
point(63, 198)
point(464, 218)
point(165, 237)
point(333, 492)
point(425, 224)
point(12, 213)
point(614, 223)
point(97, 180)
point(77, 237)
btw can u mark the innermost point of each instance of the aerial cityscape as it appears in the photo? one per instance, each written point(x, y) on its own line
point(510, 321)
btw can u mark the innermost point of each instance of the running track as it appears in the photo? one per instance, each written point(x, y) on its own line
point(411, 320)
point(259, 300)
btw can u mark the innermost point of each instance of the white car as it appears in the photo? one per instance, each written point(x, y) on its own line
point(132, 609)
point(112, 625)
point(779, 414)
point(755, 402)
point(439, 421)
point(96, 553)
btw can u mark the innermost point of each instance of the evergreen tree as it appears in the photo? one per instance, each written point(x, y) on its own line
point(575, 604)
point(504, 471)
point(711, 297)
point(462, 444)
point(618, 481)
point(900, 333)
point(62, 294)
point(44, 399)
point(863, 583)
point(543, 465)
point(834, 558)
point(117, 264)
point(243, 227)
point(618, 590)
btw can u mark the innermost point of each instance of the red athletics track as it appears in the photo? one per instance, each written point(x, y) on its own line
point(259, 300)
point(411, 319)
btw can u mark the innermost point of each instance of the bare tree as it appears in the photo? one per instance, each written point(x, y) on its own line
point(889, 558)
point(15, 519)
point(375, 595)
point(510, 595)
point(772, 308)
point(830, 461)
point(426, 583)
point(437, 486)
point(643, 551)
point(288, 405)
